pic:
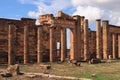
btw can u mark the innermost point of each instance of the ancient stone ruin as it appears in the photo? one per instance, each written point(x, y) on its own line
point(22, 41)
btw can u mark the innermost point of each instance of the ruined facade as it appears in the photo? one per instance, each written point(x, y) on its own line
point(23, 41)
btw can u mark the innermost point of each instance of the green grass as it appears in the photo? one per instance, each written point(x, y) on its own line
point(103, 71)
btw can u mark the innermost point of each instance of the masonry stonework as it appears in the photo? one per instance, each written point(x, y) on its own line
point(22, 41)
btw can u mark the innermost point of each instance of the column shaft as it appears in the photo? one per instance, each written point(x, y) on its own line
point(86, 50)
point(118, 45)
point(39, 44)
point(63, 44)
point(82, 35)
point(25, 44)
point(10, 45)
point(52, 45)
point(78, 37)
point(105, 39)
point(114, 45)
point(98, 39)
point(72, 44)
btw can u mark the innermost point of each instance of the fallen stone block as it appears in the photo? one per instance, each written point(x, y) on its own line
point(93, 75)
point(31, 75)
point(45, 66)
point(13, 69)
point(75, 62)
point(94, 61)
point(6, 74)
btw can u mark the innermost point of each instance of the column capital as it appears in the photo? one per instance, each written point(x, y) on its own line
point(98, 19)
point(82, 17)
point(105, 21)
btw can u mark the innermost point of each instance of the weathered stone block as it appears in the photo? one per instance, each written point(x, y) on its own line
point(13, 69)
point(45, 66)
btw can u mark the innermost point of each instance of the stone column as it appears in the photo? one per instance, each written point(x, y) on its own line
point(82, 19)
point(98, 39)
point(78, 36)
point(86, 38)
point(63, 44)
point(72, 44)
point(118, 45)
point(114, 45)
point(39, 44)
point(51, 45)
point(26, 44)
point(10, 44)
point(105, 39)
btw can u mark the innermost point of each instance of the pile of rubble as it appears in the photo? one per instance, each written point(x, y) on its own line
point(12, 70)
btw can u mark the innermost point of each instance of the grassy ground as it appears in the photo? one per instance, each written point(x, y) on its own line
point(103, 71)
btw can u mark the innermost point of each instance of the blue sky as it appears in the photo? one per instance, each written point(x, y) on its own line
point(14, 9)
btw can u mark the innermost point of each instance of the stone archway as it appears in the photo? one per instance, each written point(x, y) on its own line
point(63, 21)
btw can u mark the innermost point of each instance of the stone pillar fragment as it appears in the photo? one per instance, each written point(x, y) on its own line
point(105, 39)
point(98, 39)
point(25, 44)
point(39, 44)
point(63, 44)
point(10, 44)
point(86, 38)
point(114, 46)
point(118, 45)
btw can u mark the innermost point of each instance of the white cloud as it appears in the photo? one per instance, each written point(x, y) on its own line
point(94, 9)
point(33, 14)
point(48, 7)
point(22, 1)
point(91, 9)
point(89, 12)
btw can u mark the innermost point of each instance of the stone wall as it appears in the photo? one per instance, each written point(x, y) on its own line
point(23, 41)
